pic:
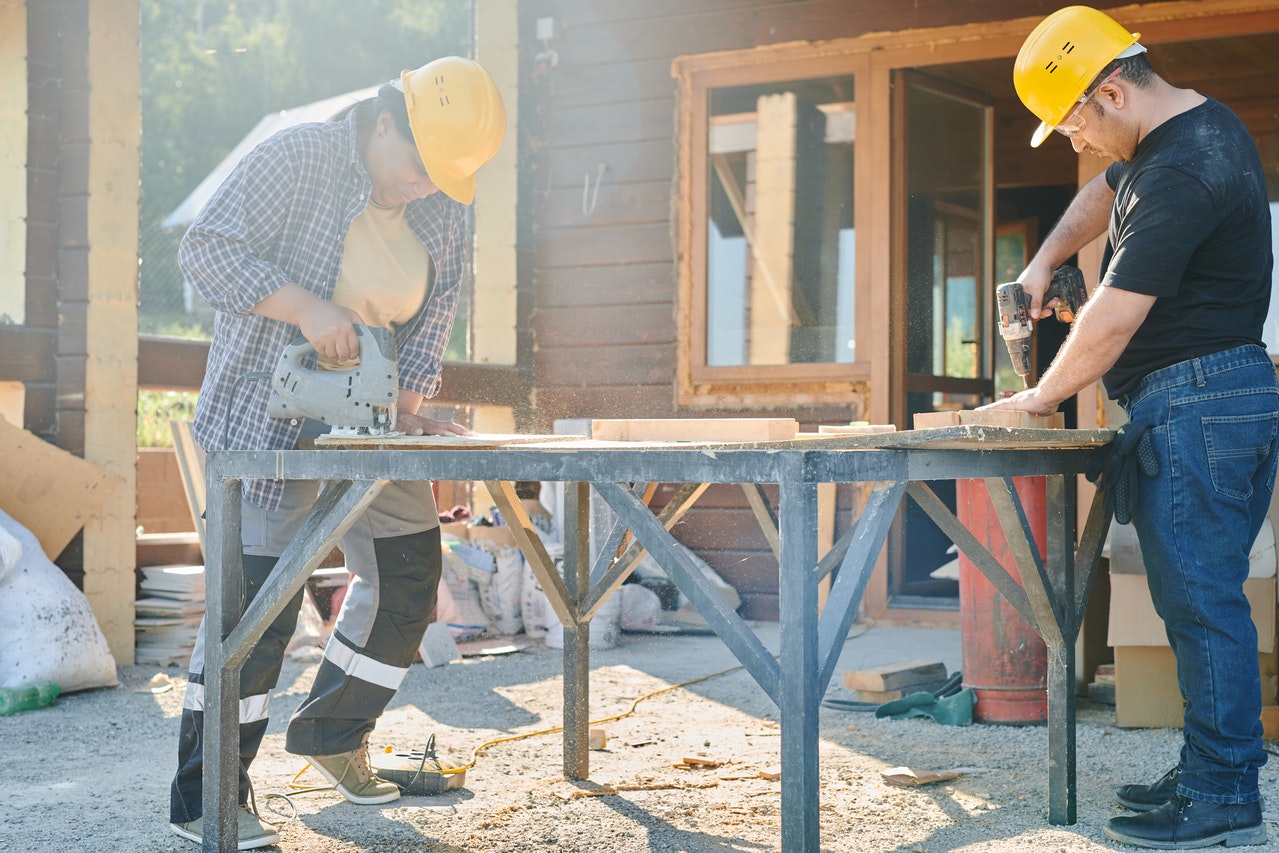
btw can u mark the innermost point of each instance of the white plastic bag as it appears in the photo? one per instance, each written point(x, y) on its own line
point(500, 597)
point(641, 608)
point(47, 629)
point(468, 620)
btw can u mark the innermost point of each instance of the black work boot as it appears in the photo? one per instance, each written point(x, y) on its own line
point(1143, 798)
point(1186, 824)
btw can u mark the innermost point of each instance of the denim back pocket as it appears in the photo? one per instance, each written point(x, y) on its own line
point(1236, 445)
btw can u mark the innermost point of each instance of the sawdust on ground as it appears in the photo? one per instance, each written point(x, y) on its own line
point(692, 769)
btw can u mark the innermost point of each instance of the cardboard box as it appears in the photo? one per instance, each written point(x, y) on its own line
point(1134, 622)
point(1146, 693)
point(1125, 553)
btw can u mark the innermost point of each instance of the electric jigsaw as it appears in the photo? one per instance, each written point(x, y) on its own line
point(359, 401)
point(1015, 325)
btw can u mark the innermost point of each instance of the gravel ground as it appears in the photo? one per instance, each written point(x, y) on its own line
point(92, 772)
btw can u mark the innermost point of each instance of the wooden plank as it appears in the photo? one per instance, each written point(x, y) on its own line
point(49, 491)
point(170, 364)
point(695, 429)
point(623, 367)
point(894, 676)
point(855, 429)
point(614, 285)
point(27, 354)
point(605, 325)
point(989, 417)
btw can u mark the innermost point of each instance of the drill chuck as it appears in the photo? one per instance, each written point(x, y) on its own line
point(1013, 304)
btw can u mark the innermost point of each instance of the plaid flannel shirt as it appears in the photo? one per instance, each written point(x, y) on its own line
point(282, 216)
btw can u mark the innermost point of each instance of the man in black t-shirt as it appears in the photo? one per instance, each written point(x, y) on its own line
point(1174, 331)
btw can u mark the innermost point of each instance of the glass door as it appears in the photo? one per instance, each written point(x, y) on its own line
point(942, 145)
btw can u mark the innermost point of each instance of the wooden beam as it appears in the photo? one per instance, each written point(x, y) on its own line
point(171, 364)
point(27, 354)
point(111, 317)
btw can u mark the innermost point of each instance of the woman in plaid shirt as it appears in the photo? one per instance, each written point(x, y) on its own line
point(358, 220)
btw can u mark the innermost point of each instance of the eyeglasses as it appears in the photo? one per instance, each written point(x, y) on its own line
point(1074, 124)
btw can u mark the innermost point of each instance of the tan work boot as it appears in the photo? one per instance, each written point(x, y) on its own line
point(251, 831)
point(350, 773)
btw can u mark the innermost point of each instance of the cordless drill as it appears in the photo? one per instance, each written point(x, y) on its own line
point(1014, 313)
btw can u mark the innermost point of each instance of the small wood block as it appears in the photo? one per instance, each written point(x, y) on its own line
point(1102, 691)
point(990, 417)
point(936, 420)
point(882, 696)
point(907, 777)
point(695, 429)
point(855, 429)
point(894, 676)
point(700, 759)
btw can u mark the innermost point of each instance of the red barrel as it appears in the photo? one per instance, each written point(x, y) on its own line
point(1005, 661)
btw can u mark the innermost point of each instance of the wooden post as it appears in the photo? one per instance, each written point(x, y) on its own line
point(111, 334)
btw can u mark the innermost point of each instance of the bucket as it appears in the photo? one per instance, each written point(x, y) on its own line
point(1004, 660)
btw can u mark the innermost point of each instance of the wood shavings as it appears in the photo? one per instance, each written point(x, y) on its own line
point(614, 790)
point(906, 777)
point(697, 760)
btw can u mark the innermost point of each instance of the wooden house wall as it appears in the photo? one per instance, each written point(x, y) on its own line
point(598, 147)
point(51, 346)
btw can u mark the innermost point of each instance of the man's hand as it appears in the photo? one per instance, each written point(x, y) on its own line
point(411, 424)
point(1035, 280)
point(1031, 400)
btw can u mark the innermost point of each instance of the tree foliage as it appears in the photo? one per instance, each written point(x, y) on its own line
point(212, 68)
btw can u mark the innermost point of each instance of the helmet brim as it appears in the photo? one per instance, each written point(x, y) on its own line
point(458, 189)
point(1044, 131)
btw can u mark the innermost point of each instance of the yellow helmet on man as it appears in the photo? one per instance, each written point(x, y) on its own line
point(458, 121)
point(1062, 56)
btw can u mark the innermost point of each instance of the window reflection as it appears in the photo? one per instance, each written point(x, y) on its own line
point(780, 231)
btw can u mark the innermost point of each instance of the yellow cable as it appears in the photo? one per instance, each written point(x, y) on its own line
point(479, 750)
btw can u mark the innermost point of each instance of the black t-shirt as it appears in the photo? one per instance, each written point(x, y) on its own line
point(1191, 226)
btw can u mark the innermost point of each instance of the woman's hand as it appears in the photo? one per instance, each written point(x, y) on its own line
point(330, 329)
point(411, 424)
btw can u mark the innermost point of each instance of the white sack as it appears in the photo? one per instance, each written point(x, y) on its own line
point(468, 621)
point(47, 629)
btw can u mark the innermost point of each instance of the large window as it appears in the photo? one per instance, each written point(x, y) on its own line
point(779, 276)
point(768, 232)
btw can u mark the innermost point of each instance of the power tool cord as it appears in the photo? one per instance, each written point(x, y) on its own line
point(450, 769)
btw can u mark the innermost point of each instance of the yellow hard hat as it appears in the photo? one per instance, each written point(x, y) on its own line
point(458, 121)
point(1061, 57)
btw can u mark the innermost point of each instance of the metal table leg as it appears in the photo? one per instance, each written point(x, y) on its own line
point(799, 693)
point(230, 636)
point(577, 635)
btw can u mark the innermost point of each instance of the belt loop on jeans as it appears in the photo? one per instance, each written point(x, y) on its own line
point(1200, 379)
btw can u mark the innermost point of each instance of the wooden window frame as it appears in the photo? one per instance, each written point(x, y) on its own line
point(870, 59)
point(700, 384)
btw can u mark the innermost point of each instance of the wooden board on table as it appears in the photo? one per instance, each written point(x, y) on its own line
point(990, 417)
point(855, 429)
point(695, 429)
point(984, 437)
point(437, 442)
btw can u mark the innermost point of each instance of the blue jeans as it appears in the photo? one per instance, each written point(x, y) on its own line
point(1215, 426)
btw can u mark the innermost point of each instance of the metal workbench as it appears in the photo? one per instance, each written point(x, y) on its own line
point(1053, 598)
